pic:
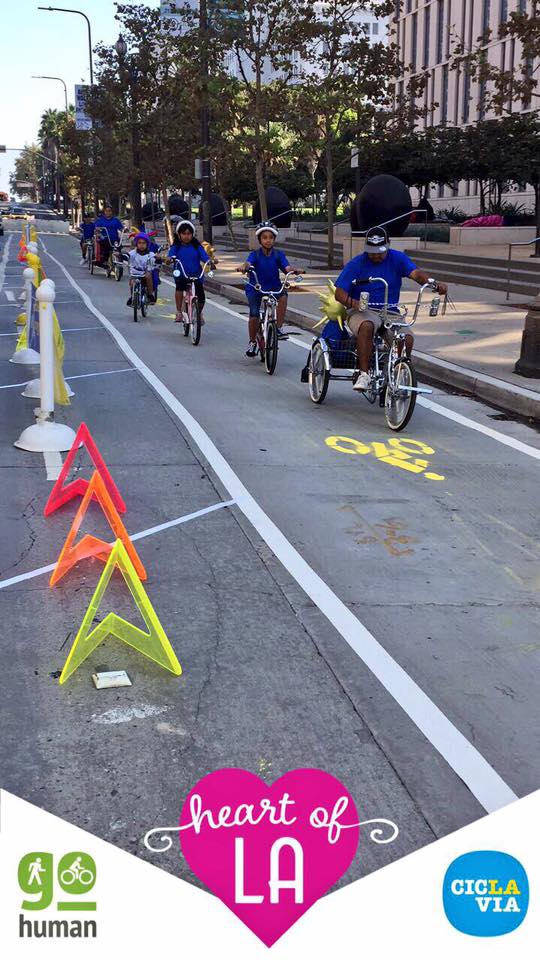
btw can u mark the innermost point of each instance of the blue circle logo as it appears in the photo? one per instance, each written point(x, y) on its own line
point(486, 893)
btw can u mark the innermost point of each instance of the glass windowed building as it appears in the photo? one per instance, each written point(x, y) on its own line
point(427, 32)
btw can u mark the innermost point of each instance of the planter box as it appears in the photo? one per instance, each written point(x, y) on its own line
point(474, 236)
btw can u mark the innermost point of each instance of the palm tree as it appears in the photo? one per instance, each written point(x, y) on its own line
point(51, 134)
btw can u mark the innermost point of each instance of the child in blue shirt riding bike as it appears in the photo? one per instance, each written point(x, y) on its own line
point(265, 266)
point(192, 256)
point(87, 228)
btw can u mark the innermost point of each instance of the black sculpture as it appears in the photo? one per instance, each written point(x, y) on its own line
point(381, 199)
point(219, 217)
point(178, 206)
point(279, 208)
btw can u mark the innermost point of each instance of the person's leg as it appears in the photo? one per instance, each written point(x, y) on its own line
point(130, 299)
point(149, 285)
point(201, 296)
point(179, 299)
point(254, 300)
point(281, 310)
point(364, 344)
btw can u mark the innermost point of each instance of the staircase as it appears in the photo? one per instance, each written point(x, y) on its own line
point(487, 272)
point(308, 249)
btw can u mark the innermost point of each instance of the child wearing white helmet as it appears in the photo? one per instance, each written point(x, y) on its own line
point(266, 263)
point(192, 255)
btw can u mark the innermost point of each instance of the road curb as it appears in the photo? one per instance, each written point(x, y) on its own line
point(508, 396)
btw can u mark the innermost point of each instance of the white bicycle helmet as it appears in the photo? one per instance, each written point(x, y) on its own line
point(184, 223)
point(263, 227)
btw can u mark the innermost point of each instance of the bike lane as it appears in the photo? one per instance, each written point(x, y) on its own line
point(447, 609)
point(255, 691)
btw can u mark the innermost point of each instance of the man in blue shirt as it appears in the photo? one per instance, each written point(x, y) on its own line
point(381, 261)
point(110, 232)
point(265, 265)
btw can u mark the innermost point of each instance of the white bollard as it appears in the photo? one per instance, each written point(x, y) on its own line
point(45, 435)
point(32, 389)
point(27, 355)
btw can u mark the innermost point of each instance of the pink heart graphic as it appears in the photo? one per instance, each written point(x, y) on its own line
point(234, 860)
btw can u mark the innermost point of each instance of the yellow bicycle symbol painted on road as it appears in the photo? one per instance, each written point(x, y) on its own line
point(400, 453)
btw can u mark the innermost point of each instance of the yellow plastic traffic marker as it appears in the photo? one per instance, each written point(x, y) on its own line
point(330, 308)
point(154, 644)
point(91, 546)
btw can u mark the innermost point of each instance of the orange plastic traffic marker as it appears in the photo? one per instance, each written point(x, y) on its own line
point(154, 644)
point(61, 494)
point(91, 546)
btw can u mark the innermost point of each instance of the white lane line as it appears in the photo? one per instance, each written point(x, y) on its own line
point(78, 376)
point(63, 330)
point(511, 442)
point(10, 296)
point(3, 263)
point(469, 764)
point(31, 574)
point(53, 464)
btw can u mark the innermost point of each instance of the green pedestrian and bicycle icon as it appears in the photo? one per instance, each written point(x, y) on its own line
point(75, 875)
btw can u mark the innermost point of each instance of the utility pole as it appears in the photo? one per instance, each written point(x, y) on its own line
point(205, 124)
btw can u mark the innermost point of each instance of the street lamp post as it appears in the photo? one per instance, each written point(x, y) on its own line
point(80, 12)
point(205, 125)
point(43, 77)
point(128, 68)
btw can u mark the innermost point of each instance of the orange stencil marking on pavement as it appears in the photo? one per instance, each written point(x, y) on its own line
point(91, 546)
point(398, 452)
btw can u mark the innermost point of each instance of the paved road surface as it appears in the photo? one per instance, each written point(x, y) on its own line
point(430, 577)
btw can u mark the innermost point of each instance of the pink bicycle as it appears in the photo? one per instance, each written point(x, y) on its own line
point(191, 308)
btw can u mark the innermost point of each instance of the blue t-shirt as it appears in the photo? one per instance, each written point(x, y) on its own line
point(393, 268)
point(191, 258)
point(112, 225)
point(267, 268)
point(87, 230)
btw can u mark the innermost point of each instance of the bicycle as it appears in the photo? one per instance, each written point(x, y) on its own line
point(90, 254)
point(267, 335)
point(191, 308)
point(114, 264)
point(76, 872)
point(392, 375)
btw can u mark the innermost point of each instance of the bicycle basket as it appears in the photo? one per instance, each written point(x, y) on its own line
point(343, 353)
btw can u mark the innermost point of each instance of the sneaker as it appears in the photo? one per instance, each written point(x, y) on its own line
point(252, 349)
point(82, 261)
point(129, 303)
point(362, 382)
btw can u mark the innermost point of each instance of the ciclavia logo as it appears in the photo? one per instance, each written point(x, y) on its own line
point(76, 876)
point(486, 893)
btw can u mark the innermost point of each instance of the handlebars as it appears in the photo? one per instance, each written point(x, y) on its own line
point(176, 273)
point(290, 278)
point(402, 310)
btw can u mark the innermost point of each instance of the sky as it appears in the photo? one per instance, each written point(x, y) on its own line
point(38, 42)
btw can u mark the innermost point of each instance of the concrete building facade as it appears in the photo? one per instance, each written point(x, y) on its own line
point(427, 33)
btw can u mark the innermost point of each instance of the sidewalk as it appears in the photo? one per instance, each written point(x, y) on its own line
point(474, 347)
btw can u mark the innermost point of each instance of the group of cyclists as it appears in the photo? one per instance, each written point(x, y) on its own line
point(362, 298)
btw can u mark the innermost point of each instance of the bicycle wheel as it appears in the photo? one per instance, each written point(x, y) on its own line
point(399, 404)
point(144, 303)
point(86, 877)
point(67, 877)
point(196, 324)
point(89, 256)
point(271, 347)
point(135, 300)
point(92, 264)
point(319, 377)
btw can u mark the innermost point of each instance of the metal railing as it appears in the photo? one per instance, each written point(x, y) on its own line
point(521, 243)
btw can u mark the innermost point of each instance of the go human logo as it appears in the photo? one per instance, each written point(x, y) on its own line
point(72, 880)
point(486, 893)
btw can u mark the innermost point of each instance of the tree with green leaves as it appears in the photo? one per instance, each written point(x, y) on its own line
point(27, 169)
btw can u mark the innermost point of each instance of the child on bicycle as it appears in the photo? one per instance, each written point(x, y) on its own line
point(141, 264)
point(87, 228)
point(192, 256)
point(266, 263)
